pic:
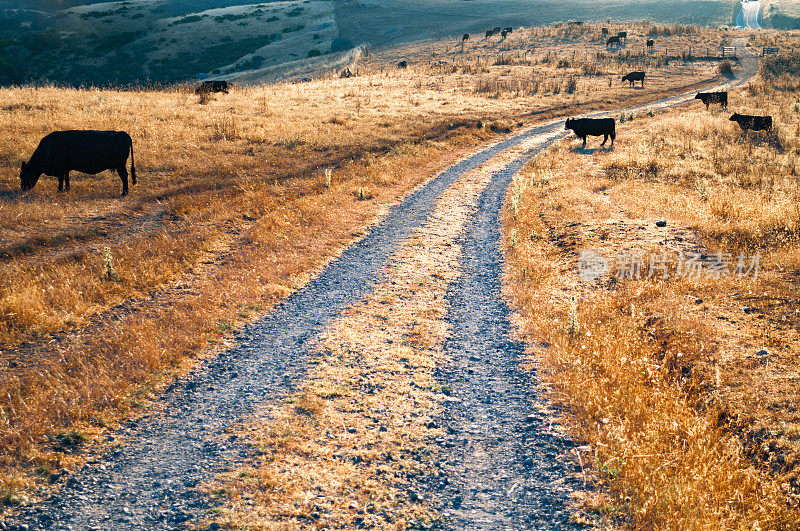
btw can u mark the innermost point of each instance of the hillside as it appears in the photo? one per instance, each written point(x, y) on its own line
point(170, 40)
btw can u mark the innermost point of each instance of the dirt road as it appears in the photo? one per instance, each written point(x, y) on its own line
point(504, 461)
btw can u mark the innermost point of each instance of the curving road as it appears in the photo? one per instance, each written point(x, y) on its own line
point(750, 15)
point(504, 460)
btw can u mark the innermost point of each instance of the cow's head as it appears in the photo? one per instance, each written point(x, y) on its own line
point(568, 124)
point(735, 117)
point(28, 176)
point(698, 97)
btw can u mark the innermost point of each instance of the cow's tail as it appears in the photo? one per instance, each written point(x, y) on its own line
point(133, 168)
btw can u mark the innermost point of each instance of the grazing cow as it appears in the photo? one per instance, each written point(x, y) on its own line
point(713, 97)
point(631, 77)
point(623, 35)
point(402, 64)
point(604, 31)
point(612, 40)
point(756, 123)
point(509, 30)
point(504, 34)
point(651, 43)
point(90, 152)
point(489, 33)
point(207, 87)
point(584, 127)
point(465, 37)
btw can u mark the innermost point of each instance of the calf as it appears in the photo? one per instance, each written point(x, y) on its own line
point(623, 35)
point(612, 40)
point(604, 31)
point(489, 33)
point(504, 34)
point(713, 97)
point(212, 86)
point(650, 43)
point(465, 37)
point(85, 151)
point(756, 123)
point(632, 77)
point(402, 64)
point(584, 127)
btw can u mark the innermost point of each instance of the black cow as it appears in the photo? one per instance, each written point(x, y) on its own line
point(612, 40)
point(584, 127)
point(756, 123)
point(402, 64)
point(212, 86)
point(90, 152)
point(604, 31)
point(713, 97)
point(465, 37)
point(508, 30)
point(623, 35)
point(631, 77)
point(504, 34)
point(651, 43)
point(489, 33)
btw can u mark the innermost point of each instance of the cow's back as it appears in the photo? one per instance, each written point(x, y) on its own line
point(86, 151)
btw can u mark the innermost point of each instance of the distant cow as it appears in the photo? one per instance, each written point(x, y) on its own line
point(713, 97)
point(465, 37)
point(89, 152)
point(583, 127)
point(604, 31)
point(504, 34)
point(489, 33)
point(651, 43)
point(623, 35)
point(346, 73)
point(509, 30)
point(402, 64)
point(497, 29)
point(632, 77)
point(756, 123)
point(212, 86)
point(612, 40)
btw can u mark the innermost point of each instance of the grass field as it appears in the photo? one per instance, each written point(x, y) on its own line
point(241, 198)
point(684, 386)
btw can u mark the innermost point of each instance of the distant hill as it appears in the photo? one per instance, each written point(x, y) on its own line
point(101, 42)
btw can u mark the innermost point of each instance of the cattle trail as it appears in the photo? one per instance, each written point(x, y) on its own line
point(503, 459)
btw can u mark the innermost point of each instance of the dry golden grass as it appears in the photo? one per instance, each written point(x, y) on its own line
point(240, 199)
point(688, 425)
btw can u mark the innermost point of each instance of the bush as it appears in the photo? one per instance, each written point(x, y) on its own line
point(725, 68)
point(774, 66)
point(314, 53)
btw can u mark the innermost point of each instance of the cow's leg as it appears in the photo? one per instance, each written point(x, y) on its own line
point(66, 180)
point(61, 183)
point(613, 136)
point(584, 141)
point(123, 174)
